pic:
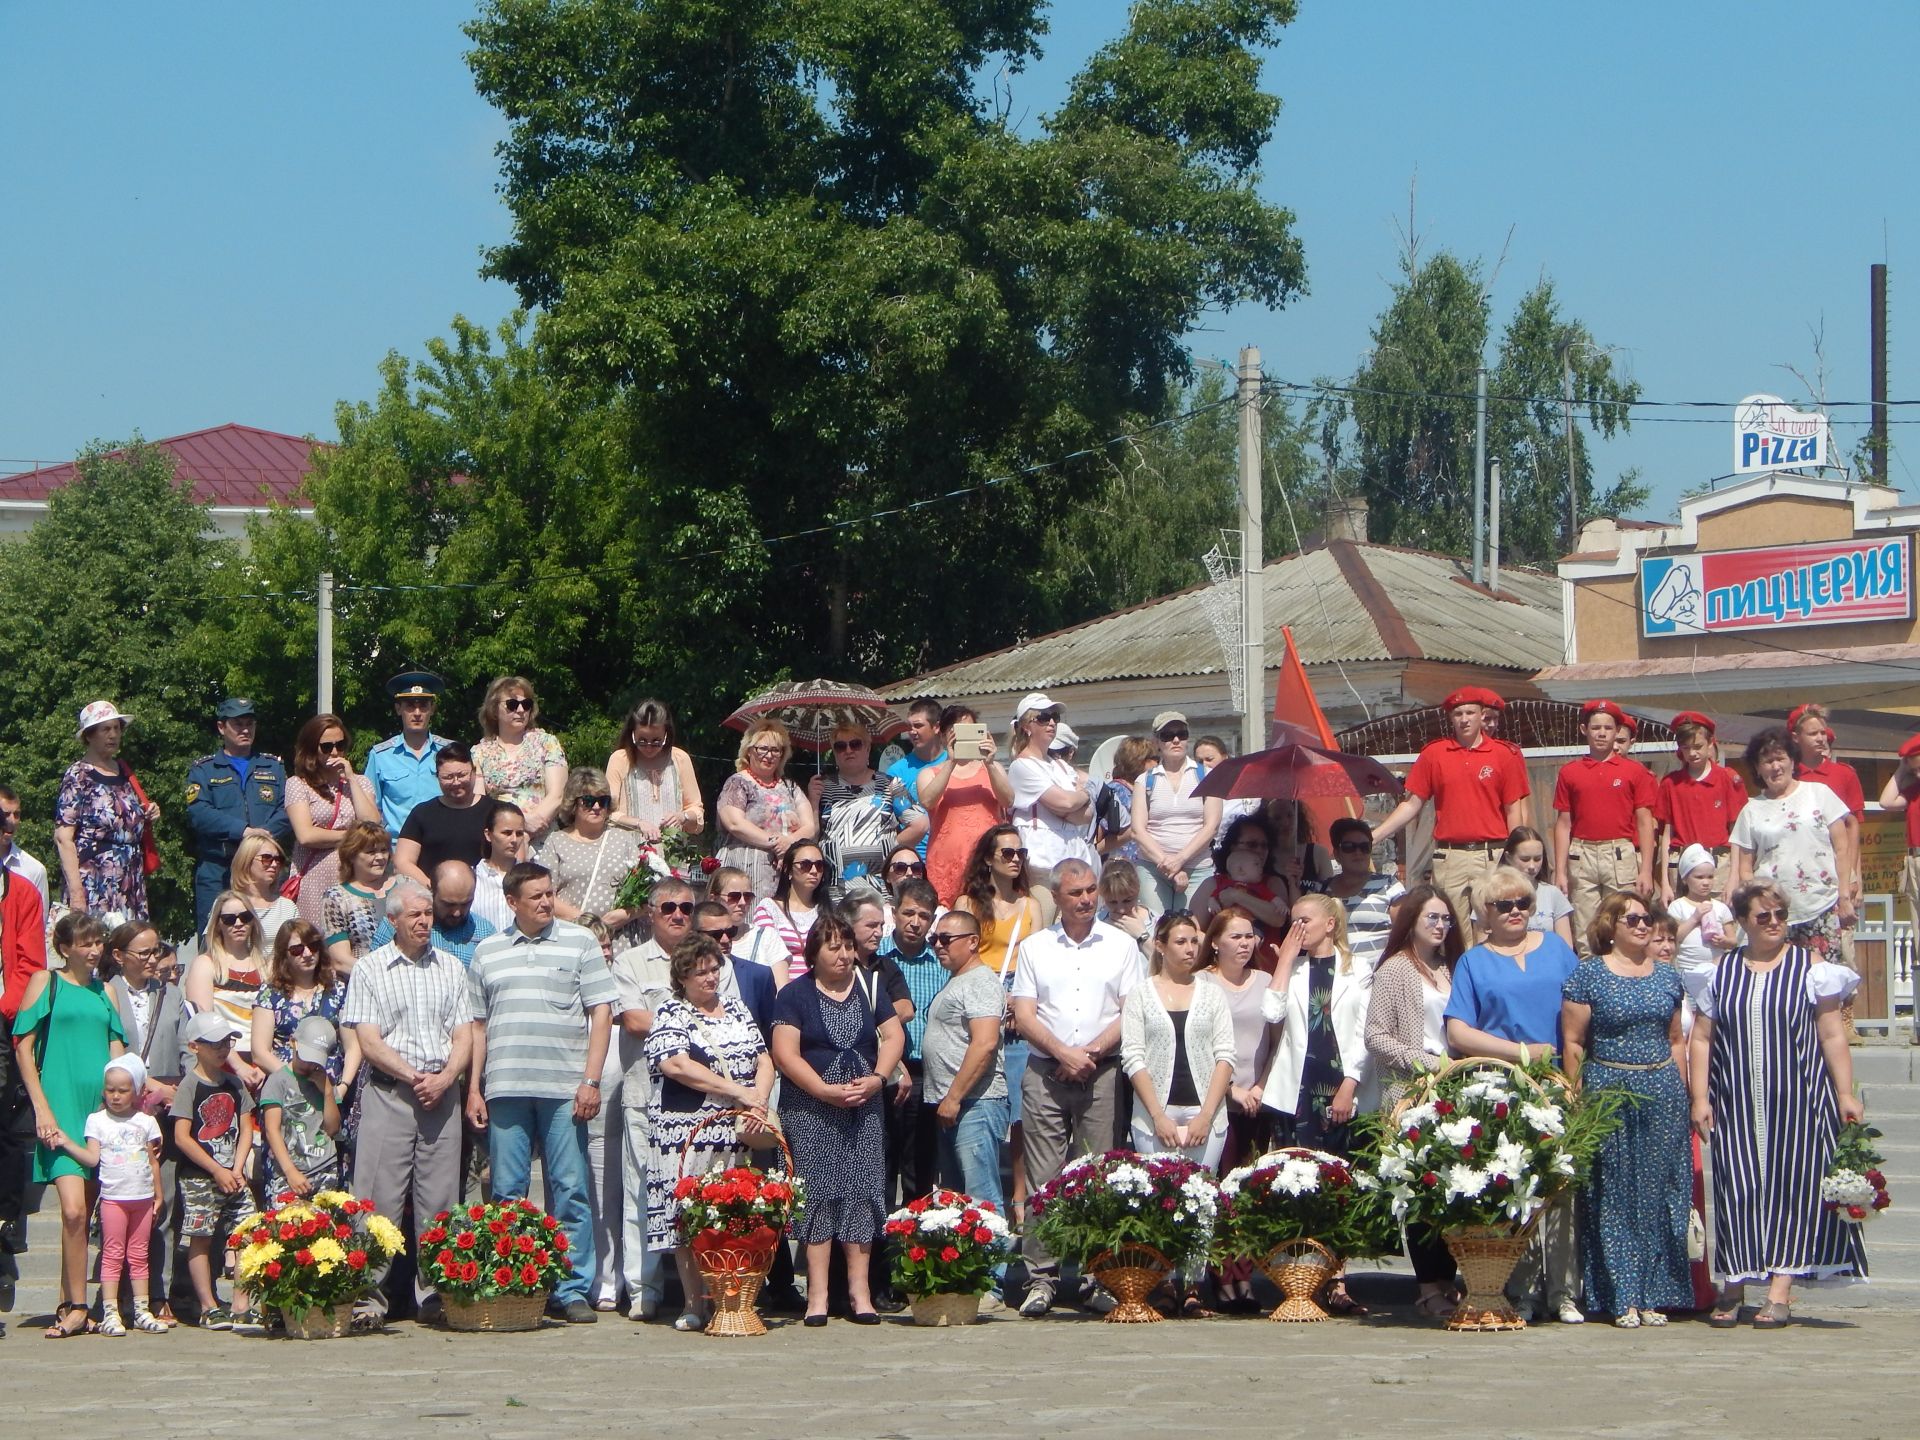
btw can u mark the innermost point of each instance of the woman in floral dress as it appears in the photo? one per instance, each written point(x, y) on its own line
point(517, 760)
point(99, 822)
point(762, 813)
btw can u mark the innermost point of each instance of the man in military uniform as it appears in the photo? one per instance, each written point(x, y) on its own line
point(231, 794)
point(401, 768)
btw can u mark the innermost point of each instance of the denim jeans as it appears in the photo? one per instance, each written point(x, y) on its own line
point(516, 1123)
point(970, 1152)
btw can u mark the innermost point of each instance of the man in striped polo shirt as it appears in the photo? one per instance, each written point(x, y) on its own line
point(542, 1004)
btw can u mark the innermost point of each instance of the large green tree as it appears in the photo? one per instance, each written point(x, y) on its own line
point(113, 596)
point(825, 276)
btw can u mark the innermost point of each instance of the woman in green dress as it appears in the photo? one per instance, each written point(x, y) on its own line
point(66, 1032)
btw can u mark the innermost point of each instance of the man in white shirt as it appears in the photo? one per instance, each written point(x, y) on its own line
point(12, 857)
point(1068, 986)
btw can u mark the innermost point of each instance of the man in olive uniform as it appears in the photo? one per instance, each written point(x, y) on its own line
point(402, 768)
point(231, 794)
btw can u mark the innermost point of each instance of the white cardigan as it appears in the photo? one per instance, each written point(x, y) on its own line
point(1146, 1039)
point(1351, 991)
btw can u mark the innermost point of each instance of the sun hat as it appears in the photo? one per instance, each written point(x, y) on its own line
point(99, 712)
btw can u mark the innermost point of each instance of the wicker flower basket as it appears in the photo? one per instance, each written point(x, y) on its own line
point(319, 1322)
point(946, 1309)
point(1131, 1273)
point(499, 1312)
point(1486, 1255)
point(1300, 1270)
point(733, 1274)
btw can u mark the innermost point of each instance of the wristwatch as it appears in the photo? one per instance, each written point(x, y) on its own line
point(594, 1084)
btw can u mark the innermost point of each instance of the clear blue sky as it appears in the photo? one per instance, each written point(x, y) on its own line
point(230, 212)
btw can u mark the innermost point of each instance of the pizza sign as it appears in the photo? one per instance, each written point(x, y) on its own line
point(1840, 582)
point(1769, 434)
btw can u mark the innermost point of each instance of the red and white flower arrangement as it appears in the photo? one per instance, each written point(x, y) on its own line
point(740, 1208)
point(1854, 1188)
point(947, 1244)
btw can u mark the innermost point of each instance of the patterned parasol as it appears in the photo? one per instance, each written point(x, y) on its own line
point(814, 709)
point(1297, 771)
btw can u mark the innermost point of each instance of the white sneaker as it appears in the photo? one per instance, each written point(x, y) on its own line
point(1569, 1314)
point(645, 1308)
point(1097, 1300)
point(110, 1324)
point(1039, 1300)
point(145, 1319)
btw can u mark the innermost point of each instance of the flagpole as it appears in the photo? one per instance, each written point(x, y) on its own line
point(1253, 633)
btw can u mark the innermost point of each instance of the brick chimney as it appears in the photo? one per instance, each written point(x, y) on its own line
point(1347, 519)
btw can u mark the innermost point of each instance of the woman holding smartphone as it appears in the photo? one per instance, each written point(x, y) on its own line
point(965, 794)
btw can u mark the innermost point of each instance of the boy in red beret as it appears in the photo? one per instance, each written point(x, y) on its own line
point(1696, 804)
point(1603, 821)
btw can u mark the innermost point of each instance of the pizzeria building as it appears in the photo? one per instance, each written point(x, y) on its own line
point(1773, 590)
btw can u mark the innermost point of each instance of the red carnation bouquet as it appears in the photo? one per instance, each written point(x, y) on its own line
point(947, 1244)
point(312, 1254)
point(741, 1208)
point(479, 1252)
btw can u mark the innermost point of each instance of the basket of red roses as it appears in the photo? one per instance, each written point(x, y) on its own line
point(494, 1265)
point(732, 1220)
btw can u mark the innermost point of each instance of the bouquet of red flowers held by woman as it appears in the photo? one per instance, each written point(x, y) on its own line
point(676, 855)
point(506, 1247)
point(740, 1208)
point(1854, 1187)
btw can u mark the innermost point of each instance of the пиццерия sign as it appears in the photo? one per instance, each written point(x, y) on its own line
point(1838, 583)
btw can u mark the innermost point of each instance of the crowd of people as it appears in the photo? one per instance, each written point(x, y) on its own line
point(415, 979)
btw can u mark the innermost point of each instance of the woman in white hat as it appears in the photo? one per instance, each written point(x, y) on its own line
point(100, 820)
point(1052, 803)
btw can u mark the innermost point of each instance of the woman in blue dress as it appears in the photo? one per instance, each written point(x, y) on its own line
point(1620, 1020)
point(834, 1039)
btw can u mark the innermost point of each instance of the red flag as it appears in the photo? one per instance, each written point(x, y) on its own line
point(1294, 705)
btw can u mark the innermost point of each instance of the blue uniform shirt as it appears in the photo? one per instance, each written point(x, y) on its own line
point(907, 770)
point(401, 779)
point(229, 794)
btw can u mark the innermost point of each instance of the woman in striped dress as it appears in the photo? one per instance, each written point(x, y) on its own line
point(1771, 1079)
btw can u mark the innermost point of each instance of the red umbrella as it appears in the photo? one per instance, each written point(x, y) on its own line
point(1298, 771)
point(813, 709)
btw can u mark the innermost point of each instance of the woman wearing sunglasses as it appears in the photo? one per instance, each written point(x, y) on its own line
point(301, 982)
point(1173, 830)
point(1771, 1080)
point(225, 977)
point(1621, 1020)
point(800, 889)
point(588, 855)
point(259, 868)
point(517, 760)
point(1406, 1035)
point(324, 800)
point(1505, 1005)
point(863, 813)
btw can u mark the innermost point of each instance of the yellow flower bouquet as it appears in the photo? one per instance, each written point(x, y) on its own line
point(310, 1254)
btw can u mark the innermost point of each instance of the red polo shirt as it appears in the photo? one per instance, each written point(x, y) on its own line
point(1470, 789)
point(1601, 796)
point(1911, 791)
point(23, 939)
point(1701, 812)
point(1838, 777)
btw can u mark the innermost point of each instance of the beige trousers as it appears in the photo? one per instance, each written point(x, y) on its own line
point(1595, 869)
point(1457, 869)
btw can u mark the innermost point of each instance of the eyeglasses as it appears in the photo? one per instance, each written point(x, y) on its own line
point(1507, 907)
point(332, 747)
point(1445, 922)
point(725, 934)
point(1355, 847)
point(809, 864)
point(152, 952)
point(1008, 852)
point(271, 859)
point(1769, 917)
point(297, 948)
point(639, 744)
point(905, 867)
point(736, 897)
point(841, 747)
point(1174, 732)
point(517, 702)
point(941, 942)
point(238, 917)
point(765, 752)
point(673, 907)
point(596, 802)
point(1638, 921)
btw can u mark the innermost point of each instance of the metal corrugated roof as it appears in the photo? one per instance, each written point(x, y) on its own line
point(1345, 602)
point(228, 465)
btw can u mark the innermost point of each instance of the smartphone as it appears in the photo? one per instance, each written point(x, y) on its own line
point(968, 737)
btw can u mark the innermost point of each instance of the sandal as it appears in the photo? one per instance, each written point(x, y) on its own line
point(1724, 1317)
point(1338, 1302)
point(1630, 1320)
point(59, 1329)
point(1653, 1317)
point(1437, 1306)
point(1193, 1308)
point(1774, 1315)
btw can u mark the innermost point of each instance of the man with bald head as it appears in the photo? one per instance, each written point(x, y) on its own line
point(1069, 983)
point(456, 929)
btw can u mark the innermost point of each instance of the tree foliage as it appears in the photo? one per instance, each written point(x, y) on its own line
point(113, 596)
point(825, 277)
